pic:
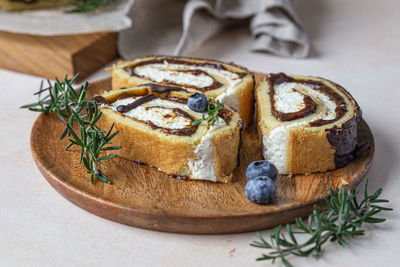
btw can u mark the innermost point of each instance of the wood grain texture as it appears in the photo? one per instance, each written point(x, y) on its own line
point(144, 197)
point(55, 56)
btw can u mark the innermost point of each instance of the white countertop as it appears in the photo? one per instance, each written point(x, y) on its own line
point(355, 43)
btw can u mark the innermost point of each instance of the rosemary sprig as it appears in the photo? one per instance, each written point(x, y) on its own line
point(341, 219)
point(72, 107)
point(84, 6)
point(213, 109)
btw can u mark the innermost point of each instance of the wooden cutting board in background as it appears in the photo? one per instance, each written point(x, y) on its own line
point(55, 56)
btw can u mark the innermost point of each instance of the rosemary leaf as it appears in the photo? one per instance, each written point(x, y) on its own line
point(72, 107)
point(213, 110)
point(338, 221)
point(197, 122)
point(107, 157)
point(85, 6)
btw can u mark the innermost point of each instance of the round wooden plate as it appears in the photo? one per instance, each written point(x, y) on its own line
point(144, 197)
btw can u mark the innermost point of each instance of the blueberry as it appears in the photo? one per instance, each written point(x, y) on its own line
point(260, 190)
point(261, 168)
point(198, 102)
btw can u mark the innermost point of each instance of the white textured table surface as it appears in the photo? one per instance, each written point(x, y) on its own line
point(356, 43)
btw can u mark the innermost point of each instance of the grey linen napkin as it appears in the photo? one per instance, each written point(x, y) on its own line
point(179, 27)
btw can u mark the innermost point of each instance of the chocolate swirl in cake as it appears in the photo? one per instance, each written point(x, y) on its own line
point(159, 88)
point(182, 68)
point(168, 113)
point(187, 130)
point(182, 131)
point(135, 104)
point(309, 104)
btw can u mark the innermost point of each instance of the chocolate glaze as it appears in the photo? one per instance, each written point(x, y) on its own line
point(100, 100)
point(341, 109)
point(156, 88)
point(344, 139)
point(226, 115)
point(159, 88)
point(135, 104)
point(217, 65)
point(125, 95)
point(361, 149)
point(182, 113)
point(175, 99)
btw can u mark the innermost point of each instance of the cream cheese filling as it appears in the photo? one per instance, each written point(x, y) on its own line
point(288, 100)
point(274, 146)
point(186, 78)
point(202, 166)
point(330, 106)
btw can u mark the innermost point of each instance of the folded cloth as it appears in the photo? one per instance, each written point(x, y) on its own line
point(178, 27)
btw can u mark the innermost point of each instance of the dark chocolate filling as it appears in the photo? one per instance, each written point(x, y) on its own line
point(226, 115)
point(361, 149)
point(100, 100)
point(179, 112)
point(340, 111)
point(187, 131)
point(215, 85)
point(175, 99)
point(135, 104)
point(168, 97)
point(125, 95)
point(159, 88)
